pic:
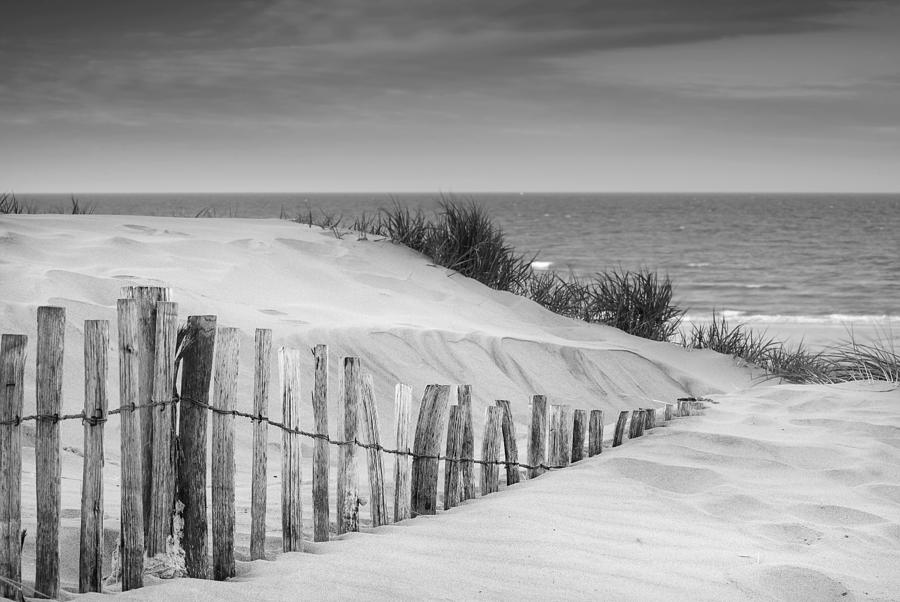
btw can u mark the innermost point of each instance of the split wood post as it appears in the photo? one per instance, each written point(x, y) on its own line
point(262, 376)
point(619, 434)
point(579, 428)
point(147, 298)
point(467, 466)
point(595, 433)
point(402, 462)
point(559, 435)
point(321, 451)
point(51, 328)
point(373, 455)
point(537, 442)
point(196, 375)
point(96, 369)
point(291, 508)
point(429, 431)
point(669, 412)
point(650, 419)
point(163, 478)
point(12, 389)
point(510, 448)
point(636, 429)
point(490, 450)
point(452, 470)
point(131, 541)
point(348, 479)
point(225, 377)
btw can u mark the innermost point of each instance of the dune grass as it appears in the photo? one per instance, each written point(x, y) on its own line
point(9, 204)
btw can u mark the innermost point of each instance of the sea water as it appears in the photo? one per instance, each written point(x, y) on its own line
point(782, 260)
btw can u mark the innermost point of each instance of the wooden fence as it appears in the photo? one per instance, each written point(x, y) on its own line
point(164, 430)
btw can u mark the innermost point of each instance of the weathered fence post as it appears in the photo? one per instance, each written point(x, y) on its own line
point(373, 455)
point(291, 508)
point(669, 412)
point(163, 478)
point(348, 480)
point(429, 431)
point(467, 466)
point(560, 435)
point(12, 389)
point(402, 462)
point(222, 468)
point(321, 451)
point(537, 442)
point(579, 427)
point(196, 374)
point(262, 375)
point(51, 328)
point(452, 470)
point(649, 419)
point(490, 450)
point(510, 448)
point(636, 427)
point(96, 368)
point(595, 433)
point(619, 433)
point(146, 298)
point(131, 544)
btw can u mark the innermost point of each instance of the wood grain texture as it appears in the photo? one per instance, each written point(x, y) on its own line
point(163, 477)
point(373, 456)
point(196, 375)
point(510, 447)
point(131, 542)
point(537, 441)
point(225, 375)
point(452, 470)
point(402, 463)
point(262, 375)
point(619, 433)
point(490, 450)
point(636, 428)
point(579, 428)
point(464, 400)
point(670, 412)
point(649, 419)
point(51, 328)
point(348, 479)
point(12, 392)
point(96, 371)
point(321, 448)
point(427, 442)
point(291, 507)
point(595, 433)
point(560, 439)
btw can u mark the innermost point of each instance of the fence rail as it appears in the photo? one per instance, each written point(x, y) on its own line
point(165, 429)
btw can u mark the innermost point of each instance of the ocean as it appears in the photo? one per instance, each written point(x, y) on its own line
point(772, 259)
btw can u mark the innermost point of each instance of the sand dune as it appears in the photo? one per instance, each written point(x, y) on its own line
point(776, 492)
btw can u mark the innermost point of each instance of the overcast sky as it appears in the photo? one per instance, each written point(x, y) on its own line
point(462, 95)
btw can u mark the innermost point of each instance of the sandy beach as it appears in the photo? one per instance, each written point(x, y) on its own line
point(783, 492)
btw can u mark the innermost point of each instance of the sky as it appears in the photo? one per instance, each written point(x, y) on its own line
point(455, 96)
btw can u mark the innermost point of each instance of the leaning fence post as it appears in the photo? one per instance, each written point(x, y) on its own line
point(595, 433)
point(429, 431)
point(196, 374)
point(163, 478)
point(467, 466)
point(291, 508)
point(579, 425)
point(222, 468)
point(510, 447)
point(321, 451)
point(96, 367)
point(348, 480)
point(537, 443)
point(12, 388)
point(452, 470)
point(51, 327)
point(619, 434)
point(262, 375)
point(132, 515)
point(402, 462)
point(146, 298)
point(373, 455)
point(490, 450)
